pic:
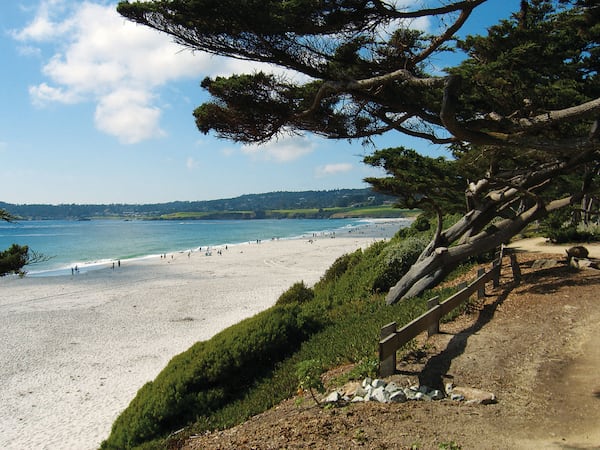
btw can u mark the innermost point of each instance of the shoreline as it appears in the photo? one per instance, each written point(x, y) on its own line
point(77, 348)
point(369, 227)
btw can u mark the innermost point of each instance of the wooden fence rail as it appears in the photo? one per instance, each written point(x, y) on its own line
point(393, 339)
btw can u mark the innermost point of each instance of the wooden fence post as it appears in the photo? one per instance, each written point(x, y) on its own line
point(481, 290)
point(387, 356)
point(516, 270)
point(496, 266)
point(434, 328)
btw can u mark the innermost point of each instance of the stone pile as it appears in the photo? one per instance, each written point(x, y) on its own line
point(378, 390)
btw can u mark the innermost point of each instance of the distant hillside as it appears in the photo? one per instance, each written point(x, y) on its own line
point(245, 206)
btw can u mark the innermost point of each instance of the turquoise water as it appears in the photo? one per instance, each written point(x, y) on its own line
point(89, 244)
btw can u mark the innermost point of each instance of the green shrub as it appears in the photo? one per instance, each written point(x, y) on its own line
point(560, 228)
point(397, 260)
point(571, 234)
point(210, 374)
point(14, 259)
point(340, 266)
point(299, 293)
point(309, 373)
point(421, 223)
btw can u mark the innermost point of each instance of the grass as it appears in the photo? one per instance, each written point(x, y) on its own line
point(382, 211)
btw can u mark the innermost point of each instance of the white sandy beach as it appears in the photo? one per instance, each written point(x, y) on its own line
point(74, 350)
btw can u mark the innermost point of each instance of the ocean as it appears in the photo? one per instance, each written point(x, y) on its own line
point(97, 243)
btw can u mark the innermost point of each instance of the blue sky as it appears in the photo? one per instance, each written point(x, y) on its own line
point(94, 109)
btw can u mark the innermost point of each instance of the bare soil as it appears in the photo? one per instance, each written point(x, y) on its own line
point(534, 345)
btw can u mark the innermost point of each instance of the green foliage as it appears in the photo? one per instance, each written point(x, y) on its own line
point(366, 367)
point(298, 293)
point(449, 446)
point(560, 227)
point(338, 202)
point(518, 110)
point(571, 234)
point(210, 374)
point(309, 377)
point(421, 223)
point(14, 259)
point(419, 181)
point(397, 260)
point(339, 267)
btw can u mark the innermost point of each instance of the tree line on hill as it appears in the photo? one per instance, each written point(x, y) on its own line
point(339, 198)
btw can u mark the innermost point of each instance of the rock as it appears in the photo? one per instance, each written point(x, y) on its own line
point(472, 395)
point(351, 388)
point(582, 264)
point(392, 387)
point(422, 397)
point(436, 394)
point(361, 392)
point(578, 251)
point(544, 264)
point(377, 383)
point(398, 397)
point(378, 390)
point(410, 393)
point(334, 397)
point(379, 395)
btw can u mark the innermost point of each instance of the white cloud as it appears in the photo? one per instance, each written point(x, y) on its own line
point(99, 56)
point(43, 27)
point(128, 115)
point(333, 169)
point(43, 94)
point(284, 149)
point(29, 50)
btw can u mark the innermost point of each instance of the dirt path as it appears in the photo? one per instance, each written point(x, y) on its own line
point(535, 346)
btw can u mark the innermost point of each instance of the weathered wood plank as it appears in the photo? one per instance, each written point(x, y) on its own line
point(388, 329)
point(434, 328)
point(387, 355)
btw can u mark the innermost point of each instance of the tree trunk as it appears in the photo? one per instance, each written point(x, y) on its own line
point(435, 262)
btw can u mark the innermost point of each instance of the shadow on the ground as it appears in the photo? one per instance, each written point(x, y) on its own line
point(438, 366)
point(543, 281)
point(546, 281)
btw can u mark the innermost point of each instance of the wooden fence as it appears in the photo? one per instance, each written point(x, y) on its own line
point(393, 339)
